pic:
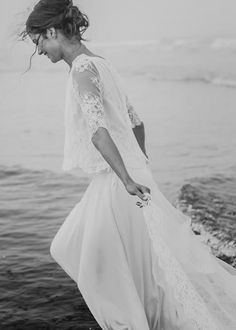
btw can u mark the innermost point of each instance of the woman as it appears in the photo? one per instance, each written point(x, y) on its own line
point(132, 254)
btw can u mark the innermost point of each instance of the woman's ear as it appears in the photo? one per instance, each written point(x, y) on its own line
point(51, 33)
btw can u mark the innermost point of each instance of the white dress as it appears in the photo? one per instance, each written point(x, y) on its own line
point(136, 268)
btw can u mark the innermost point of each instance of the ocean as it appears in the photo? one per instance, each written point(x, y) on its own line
point(184, 90)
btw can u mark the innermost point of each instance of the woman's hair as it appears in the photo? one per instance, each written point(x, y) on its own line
point(60, 14)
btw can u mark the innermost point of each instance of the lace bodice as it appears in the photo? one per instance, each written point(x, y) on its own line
point(95, 98)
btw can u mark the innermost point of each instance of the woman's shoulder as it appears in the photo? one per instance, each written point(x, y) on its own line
point(86, 62)
point(87, 67)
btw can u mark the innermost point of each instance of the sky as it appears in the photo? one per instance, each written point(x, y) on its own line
point(114, 21)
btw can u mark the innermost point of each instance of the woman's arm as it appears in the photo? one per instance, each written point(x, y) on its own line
point(139, 133)
point(137, 125)
point(106, 146)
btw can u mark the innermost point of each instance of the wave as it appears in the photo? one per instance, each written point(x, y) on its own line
point(211, 43)
point(210, 204)
point(217, 43)
point(223, 44)
point(217, 81)
point(224, 82)
point(174, 75)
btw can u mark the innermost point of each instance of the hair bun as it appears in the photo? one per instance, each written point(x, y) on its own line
point(74, 21)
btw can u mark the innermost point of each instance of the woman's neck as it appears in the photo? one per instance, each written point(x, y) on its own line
point(70, 53)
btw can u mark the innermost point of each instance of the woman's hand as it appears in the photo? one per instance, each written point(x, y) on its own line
point(134, 188)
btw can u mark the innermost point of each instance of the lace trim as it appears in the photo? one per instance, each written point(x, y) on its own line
point(83, 63)
point(90, 102)
point(185, 293)
point(70, 164)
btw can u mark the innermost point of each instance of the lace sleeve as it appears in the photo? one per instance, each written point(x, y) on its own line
point(89, 93)
point(134, 118)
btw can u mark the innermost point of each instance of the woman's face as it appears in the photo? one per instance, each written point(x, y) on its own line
point(48, 45)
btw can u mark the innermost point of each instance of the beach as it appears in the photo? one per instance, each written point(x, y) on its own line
point(184, 92)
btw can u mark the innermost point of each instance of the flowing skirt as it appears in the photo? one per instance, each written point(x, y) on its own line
point(142, 268)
